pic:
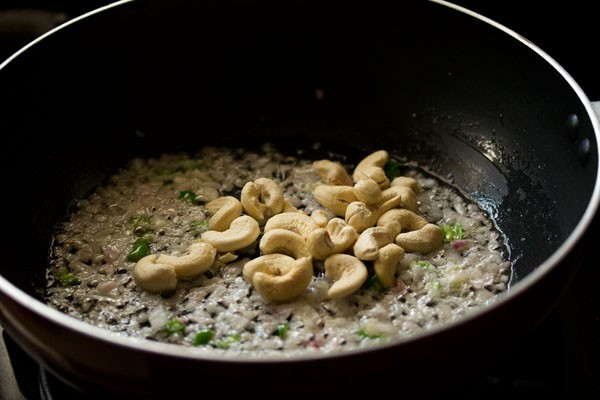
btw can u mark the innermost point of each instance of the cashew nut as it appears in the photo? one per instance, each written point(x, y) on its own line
point(284, 241)
point(321, 217)
point(371, 240)
point(368, 191)
point(157, 273)
point(408, 198)
point(372, 167)
point(242, 232)
point(262, 199)
point(399, 219)
point(362, 216)
point(408, 182)
point(413, 232)
point(336, 237)
point(293, 221)
point(347, 272)
point(385, 264)
point(154, 277)
point(223, 211)
point(424, 240)
point(199, 258)
point(279, 277)
point(331, 173)
point(335, 198)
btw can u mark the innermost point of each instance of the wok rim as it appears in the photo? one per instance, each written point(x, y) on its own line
point(174, 350)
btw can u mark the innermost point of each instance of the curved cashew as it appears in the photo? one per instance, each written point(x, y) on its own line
point(370, 241)
point(362, 216)
point(198, 260)
point(154, 277)
point(223, 211)
point(347, 272)
point(321, 217)
point(262, 198)
point(332, 173)
point(408, 182)
point(399, 219)
point(368, 191)
point(279, 277)
point(335, 198)
point(385, 264)
point(293, 221)
point(242, 232)
point(336, 237)
point(424, 240)
point(408, 198)
point(284, 241)
point(372, 167)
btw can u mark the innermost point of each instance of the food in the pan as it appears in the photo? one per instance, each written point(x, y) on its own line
point(261, 253)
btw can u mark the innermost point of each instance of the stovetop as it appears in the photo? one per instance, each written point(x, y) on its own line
point(560, 358)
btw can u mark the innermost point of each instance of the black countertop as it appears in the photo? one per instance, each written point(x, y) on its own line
point(561, 358)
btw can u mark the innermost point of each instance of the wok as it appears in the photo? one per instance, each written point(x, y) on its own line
point(426, 80)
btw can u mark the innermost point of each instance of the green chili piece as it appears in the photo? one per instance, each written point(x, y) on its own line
point(452, 232)
point(174, 326)
point(423, 263)
point(362, 332)
point(374, 283)
point(187, 195)
point(198, 225)
point(392, 169)
point(228, 341)
point(139, 251)
point(282, 329)
point(66, 277)
point(203, 337)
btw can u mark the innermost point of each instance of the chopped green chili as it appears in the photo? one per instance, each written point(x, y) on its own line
point(392, 169)
point(139, 251)
point(203, 337)
point(174, 326)
point(423, 263)
point(187, 195)
point(66, 277)
point(282, 329)
point(452, 232)
point(374, 283)
point(228, 341)
point(198, 225)
point(362, 332)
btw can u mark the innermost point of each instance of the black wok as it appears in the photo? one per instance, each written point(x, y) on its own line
point(424, 80)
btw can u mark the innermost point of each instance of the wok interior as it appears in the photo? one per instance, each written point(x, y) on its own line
point(425, 82)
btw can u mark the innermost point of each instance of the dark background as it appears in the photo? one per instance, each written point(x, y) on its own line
point(562, 357)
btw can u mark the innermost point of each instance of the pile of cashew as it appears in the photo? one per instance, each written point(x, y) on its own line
point(373, 224)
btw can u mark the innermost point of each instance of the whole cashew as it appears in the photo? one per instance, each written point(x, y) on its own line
point(284, 241)
point(321, 217)
point(242, 232)
point(154, 277)
point(385, 264)
point(424, 240)
point(408, 198)
point(336, 237)
point(371, 240)
point(223, 211)
point(279, 277)
point(372, 167)
point(398, 220)
point(335, 198)
point(368, 191)
point(347, 272)
point(332, 173)
point(362, 216)
point(199, 259)
point(262, 199)
point(408, 182)
point(293, 221)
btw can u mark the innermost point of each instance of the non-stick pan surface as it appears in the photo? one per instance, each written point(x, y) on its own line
point(423, 80)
